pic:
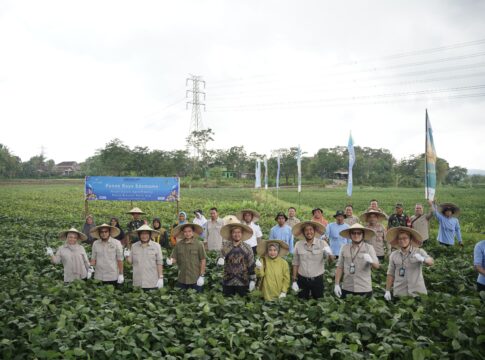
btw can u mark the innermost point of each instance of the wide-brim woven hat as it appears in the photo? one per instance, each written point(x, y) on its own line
point(393, 233)
point(144, 227)
point(368, 233)
point(113, 231)
point(63, 234)
point(454, 208)
point(135, 210)
point(247, 232)
point(178, 231)
point(262, 248)
point(231, 219)
point(380, 216)
point(298, 228)
point(256, 215)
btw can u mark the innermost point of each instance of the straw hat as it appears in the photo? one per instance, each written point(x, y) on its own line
point(256, 215)
point(380, 216)
point(135, 210)
point(393, 233)
point(231, 219)
point(298, 228)
point(178, 231)
point(263, 247)
point(454, 208)
point(63, 234)
point(146, 228)
point(368, 233)
point(247, 232)
point(113, 231)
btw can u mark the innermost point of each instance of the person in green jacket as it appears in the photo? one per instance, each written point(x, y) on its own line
point(272, 269)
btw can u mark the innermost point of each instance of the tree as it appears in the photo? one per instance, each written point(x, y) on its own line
point(456, 175)
point(10, 165)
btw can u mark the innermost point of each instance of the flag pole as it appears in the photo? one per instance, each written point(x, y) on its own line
point(425, 155)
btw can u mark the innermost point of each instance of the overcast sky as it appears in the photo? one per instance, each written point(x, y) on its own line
point(74, 75)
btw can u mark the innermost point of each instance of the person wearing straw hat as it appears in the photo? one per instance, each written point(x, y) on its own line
point(213, 238)
point(332, 232)
point(146, 257)
point(355, 263)
point(272, 269)
point(420, 221)
point(135, 223)
point(449, 226)
point(238, 260)
point(72, 256)
point(309, 259)
point(189, 255)
point(350, 219)
point(282, 231)
point(404, 274)
point(318, 217)
point(107, 255)
point(292, 219)
point(250, 217)
point(182, 219)
point(373, 219)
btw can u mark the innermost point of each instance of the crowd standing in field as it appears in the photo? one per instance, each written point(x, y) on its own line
point(358, 244)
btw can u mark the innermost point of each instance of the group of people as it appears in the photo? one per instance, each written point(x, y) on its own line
point(249, 262)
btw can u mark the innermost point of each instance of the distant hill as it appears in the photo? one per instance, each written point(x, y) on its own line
point(476, 172)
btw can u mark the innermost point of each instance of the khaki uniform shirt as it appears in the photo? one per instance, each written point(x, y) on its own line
point(310, 258)
point(421, 224)
point(74, 260)
point(107, 254)
point(292, 221)
point(213, 234)
point(361, 280)
point(188, 255)
point(145, 264)
point(351, 220)
point(412, 283)
point(379, 241)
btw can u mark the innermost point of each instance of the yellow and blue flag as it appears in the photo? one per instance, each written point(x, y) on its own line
point(350, 147)
point(430, 162)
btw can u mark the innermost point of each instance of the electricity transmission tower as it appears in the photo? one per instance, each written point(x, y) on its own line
point(196, 119)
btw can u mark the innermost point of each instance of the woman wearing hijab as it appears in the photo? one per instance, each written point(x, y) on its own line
point(72, 256)
point(181, 220)
point(115, 222)
point(88, 226)
point(272, 269)
point(200, 219)
point(162, 236)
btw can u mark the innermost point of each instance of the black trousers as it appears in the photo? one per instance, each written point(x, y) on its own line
point(310, 287)
point(189, 286)
point(228, 290)
point(480, 287)
point(114, 283)
point(381, 258)
point(365, 294)
point(445, 244)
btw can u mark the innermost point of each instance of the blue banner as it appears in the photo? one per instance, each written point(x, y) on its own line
point(350, 147)
point(131, 188)
point(430, 162)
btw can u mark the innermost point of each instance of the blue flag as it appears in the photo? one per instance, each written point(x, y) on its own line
point(430, 162)
point(351, 164)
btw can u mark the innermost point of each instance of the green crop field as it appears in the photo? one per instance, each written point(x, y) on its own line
point(42, 318)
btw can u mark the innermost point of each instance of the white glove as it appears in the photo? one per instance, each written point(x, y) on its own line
point(258, 264)
point(368, 258)
point(121, 279)
point(419, 257)
point(200, 281)
point(169, 261)
point(328, 251)
point(387, 295)
point(159, 283)
point(295, 287)
point(337, 291)
point(252, 285)
point(90, 272)
point(127, 252)
point(282, 295)
point(220, 261)
point(49, 251)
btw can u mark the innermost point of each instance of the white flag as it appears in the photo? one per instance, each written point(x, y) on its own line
point(266, 174)
point(351, 164)
point(257, 184)
point(298, 164)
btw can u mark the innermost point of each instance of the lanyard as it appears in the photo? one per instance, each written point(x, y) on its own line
point(405, 257)
point(357, 252)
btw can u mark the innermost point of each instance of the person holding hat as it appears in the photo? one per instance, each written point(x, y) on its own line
point(318, 217)
point(350, 218)
point(272, 269)
point(213, 238)
point(449, 226)
point(107, 255)
point(146, 257)
point(200, 220)
point(282, 231)
point(309, 259)
point(398, 218)
point(373, 220)
point(333, 230)
point(404, 274)
point(189, 255)
point(238, 260)
point(182, 219)
point(355, 263)
point(72, 256)
point(250, 217)
point(135, 223)
point(292, 219)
